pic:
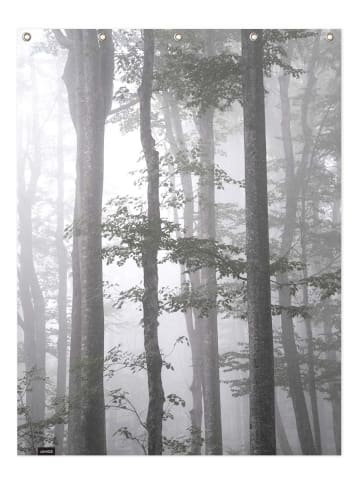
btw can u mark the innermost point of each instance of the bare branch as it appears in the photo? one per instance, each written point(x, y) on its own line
point(123, 107)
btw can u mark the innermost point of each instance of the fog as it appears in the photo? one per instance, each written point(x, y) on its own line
point(47, 139)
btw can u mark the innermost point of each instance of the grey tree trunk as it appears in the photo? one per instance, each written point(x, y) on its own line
point(307, 160)
point(288, 335)
point(178, 146)
point(75, 436)
point(149, 256)
point(207, 325)
point(62, 285)
point(31, 296)
point(334, 386)
point(189, 215)
point(35, 289)
point(88, 77)
point(262, 409)
point(26, 268)
point(281, 433)
point(308, 327)
point(293, 185)
point(335, 394)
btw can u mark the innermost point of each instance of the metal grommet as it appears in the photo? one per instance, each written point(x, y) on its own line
point(26, 36)
point(253, 36)
point(330, 36)
point(178, 36)
point(102, 36)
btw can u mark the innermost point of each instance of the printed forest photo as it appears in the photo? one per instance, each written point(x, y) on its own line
point(179, 242)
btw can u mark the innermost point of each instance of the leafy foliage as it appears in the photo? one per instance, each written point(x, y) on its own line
point(118, 359)
point(31, 433)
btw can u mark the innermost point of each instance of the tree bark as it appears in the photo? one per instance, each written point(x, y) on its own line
point(262, 410)
point(149, 256)
point(62, 285)
point(31, 296)
point(75, 435)
point(287, 328)
point(309, 333)
point(335, 394)
point(334, 387)
point(178, 146)
point(307, 162)
point(88, 77)
point(281, 433)
point(293, 183)
point(207, 325)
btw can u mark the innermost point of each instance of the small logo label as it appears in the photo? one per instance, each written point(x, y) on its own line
point(46, 450)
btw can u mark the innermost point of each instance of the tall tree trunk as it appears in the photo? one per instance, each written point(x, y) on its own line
point(293, 185)
point(189, 215)
point(307, 160)
point(149, 256)
point(25, 253)
point(39, 394)
point(293, 370)
point(177, 146)
point(308, 327)
point(75, 441)
point(88, 77)
point(62, 284)
point(36, 292)
point(334, 387)
point(31, 296)
point(262, 410)
point(208, 324)
point(288, 335)
point(25, 267)
point(281, 433)
point(208, 330)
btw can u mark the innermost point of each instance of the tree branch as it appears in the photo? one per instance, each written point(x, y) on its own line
point(123, 107)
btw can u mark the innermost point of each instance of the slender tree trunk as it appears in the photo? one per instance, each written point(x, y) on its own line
point(75, 437)
point(334, 387)
point(25, 255)
point(288, 335)
point(40, 336)
point(335, 394)
point(36, 292)
point(32, 313)
point(25, 260)
point(293, 186)
point(307, 158)
point(208, 324)
point(177, 146)
point(293, 371)
point(189, 221)
point(149, 256)
point(309, 333)
point(88, 78)
point(208, 330)
point(31, 296)
point(62, 285)
point(281, 433)
point(262, 409)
